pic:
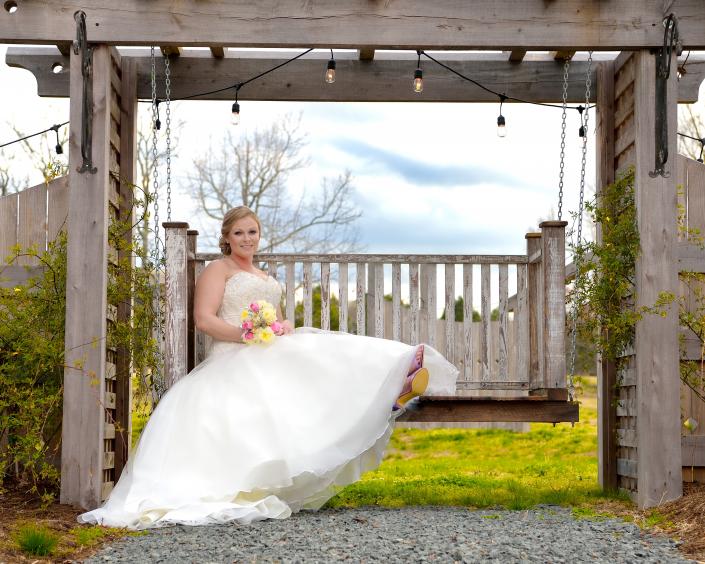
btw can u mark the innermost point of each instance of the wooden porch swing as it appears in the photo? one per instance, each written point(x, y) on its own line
point(519, 359)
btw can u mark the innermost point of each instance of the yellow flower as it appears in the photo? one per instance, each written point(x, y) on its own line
point(244, 315)
point(18, 289)
point(267, 335)
point(269, 315)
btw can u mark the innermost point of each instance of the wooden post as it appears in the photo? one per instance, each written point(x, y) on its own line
point(176, 299)
point(606, 372)
point(656, 341)
point(553, 259)
point(82, 449)
point(199, 345)
point(191, 246)
point(535, 296)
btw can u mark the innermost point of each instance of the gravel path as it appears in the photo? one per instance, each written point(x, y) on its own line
point(411, 534)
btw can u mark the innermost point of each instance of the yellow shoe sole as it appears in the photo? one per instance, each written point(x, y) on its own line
point(418, 386)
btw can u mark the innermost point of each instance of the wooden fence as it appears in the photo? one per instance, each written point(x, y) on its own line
point(32, 217)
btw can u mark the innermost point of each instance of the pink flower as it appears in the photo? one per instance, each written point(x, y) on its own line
point(248, 336)
point(254, 307)
point(277, 328)
point(247, 325)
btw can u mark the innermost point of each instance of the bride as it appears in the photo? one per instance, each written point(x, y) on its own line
point(260, 431)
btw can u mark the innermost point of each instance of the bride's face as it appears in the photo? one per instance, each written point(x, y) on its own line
point(244, 238)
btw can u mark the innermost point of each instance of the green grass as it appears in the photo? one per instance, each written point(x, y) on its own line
point(88, 536)
point(488, 467)
point(36, 540)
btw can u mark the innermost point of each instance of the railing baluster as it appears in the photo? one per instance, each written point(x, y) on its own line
point(521, 322)
point(431, 314)
point(396, 301)
point(503, 314)
point(325, 296)
point(414, 299)
point(485, 325)
point(468, 356)
point(272, 268)
point(450, 312)
point(308, 296)
point(379, 299)
point(290, 285)
point(343, 296)
point(360, 298)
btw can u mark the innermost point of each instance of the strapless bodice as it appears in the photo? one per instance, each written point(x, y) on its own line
point(241, 289)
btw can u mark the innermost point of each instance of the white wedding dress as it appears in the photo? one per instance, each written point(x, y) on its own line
point(261, 431)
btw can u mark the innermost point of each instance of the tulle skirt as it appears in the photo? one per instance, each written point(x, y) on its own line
point(261, 431)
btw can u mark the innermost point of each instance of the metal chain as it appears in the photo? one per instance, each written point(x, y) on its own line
point(585, 117)
point(157, 254)
point(566, 67)
point(167, 75)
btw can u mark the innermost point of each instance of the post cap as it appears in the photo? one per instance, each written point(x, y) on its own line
point(175, 225)
point(192, 232)
point(552, 223)
point(533, 235)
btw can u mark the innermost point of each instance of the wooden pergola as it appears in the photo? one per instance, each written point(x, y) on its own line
point(645, 458)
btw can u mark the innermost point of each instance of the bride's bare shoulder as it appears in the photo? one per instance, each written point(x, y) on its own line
point(217, 271)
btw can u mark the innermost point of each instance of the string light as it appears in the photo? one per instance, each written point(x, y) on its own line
point(59, 149)
point(581, 131)
point(235, 119)
point(330, 70)
point(501, 122)
point(418, 76)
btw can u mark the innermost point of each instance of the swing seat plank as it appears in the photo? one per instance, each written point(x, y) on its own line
point(527, 409)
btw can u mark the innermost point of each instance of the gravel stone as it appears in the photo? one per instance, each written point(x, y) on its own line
point(410, 534)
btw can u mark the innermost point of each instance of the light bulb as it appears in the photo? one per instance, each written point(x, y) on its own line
point(330, 72)
point(418, 81)
point(501, 126)
point(235, 119)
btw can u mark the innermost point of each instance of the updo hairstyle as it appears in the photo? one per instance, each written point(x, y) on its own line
point(229, 219)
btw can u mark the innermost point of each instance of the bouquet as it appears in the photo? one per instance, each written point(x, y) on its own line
point(259, 323)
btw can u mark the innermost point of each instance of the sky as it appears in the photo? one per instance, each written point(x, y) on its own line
point(428, 177)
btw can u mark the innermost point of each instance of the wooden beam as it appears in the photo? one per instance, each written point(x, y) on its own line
point(409, 24)
point(386, 78)
point(218, 52)
point(562, 55)
point(170, 50)
point(448, 409)
point(64, 48)
point(516, 56)
point(366, 54)
point(656, 338)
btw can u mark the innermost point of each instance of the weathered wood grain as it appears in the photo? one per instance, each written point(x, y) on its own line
point(468, 357)
point(86, 296)
point(57, 207)
point(414, 321)
point(176, 295)
point(384, 259)
point(290, 287)
point(31, 232)
point(485, 313)
point(450, 311)
point(343, 296)
point(521, 325)
point(656, 338)
point(431, 293)
point(8, 223)
point(503, 313)
point(308, 295)
point(325, 296)
point(379, 300)
point(360, 297)
point(597, 25)
point(396, 302)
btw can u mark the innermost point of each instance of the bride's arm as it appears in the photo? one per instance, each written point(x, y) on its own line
point(210, 287)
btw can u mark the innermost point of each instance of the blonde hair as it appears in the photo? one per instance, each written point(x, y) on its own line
point(229, 219)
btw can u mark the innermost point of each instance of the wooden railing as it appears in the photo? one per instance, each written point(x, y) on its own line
point(398, 297)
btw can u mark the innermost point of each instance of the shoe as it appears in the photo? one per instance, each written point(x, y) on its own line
point(415, 385)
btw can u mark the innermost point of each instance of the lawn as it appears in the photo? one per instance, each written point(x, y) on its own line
point(488, 467)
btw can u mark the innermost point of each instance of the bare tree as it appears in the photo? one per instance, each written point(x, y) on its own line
point(254, 171)
point(8, 182)
point(690, 122)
